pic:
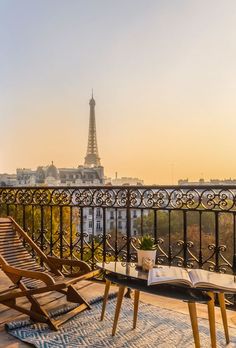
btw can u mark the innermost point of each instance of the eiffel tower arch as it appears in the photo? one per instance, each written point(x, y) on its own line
point(92, 158)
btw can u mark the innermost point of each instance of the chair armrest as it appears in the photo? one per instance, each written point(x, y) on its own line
point(17, 273)
point(59, 263)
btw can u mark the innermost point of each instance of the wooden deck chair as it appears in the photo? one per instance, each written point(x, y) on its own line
point(30, 279)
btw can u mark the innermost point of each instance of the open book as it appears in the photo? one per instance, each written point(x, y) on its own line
point(197, 278)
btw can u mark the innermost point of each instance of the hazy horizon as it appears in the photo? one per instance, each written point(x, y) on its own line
point(164, 81)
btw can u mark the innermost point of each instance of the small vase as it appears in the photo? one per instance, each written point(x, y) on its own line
point(151, 254)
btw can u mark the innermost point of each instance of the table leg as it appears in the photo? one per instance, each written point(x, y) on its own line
point(221, 298)
point(136, 301)
point(211, 317)
point(193, 317)
point(118, 306)
point(106, 292)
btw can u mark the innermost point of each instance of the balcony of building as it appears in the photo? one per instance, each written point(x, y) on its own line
point(192, 227)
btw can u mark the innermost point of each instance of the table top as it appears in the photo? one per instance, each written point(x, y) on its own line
point(127, 269)
point(129, 275)
point(130, 270)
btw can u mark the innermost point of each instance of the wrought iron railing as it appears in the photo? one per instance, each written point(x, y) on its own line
point(193, 226)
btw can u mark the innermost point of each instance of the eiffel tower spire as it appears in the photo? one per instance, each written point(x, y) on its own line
point(92, 159)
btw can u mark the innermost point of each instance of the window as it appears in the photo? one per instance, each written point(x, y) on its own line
point(90, 224)
point(134, 214)
point(119, 224)
point(111, 225)
point(98, 212)
point(98, 226)
point(120, 214)
point(90, 211)
point(112, 214)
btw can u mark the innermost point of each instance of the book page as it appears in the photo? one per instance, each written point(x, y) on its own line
point(166, 274)
point(207, 279)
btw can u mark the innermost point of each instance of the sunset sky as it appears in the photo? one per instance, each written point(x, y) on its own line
point(164, 81)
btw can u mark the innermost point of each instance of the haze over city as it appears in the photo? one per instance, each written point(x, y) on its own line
point(164, 81)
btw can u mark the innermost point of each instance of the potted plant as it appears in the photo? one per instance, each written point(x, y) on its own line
point(146, 249)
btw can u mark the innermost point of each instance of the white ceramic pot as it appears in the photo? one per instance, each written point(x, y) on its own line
point(151, 254)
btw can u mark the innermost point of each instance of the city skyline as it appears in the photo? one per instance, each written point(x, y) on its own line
point(163, 76)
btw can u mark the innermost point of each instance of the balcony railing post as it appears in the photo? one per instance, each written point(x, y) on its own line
point(41, 230)
point(32, 222)
point(23, 218)
point(128, 217)
point(71, 233)
point(200, 241)
point(234, 238)
point(185, 248)
point(141, 226)
point(169, 239)
point(82, 233)
point(104, 234)
point(51, 232)
point(93, 241)
point(155, 226)
point(61, 233)
point(217, 254)
point(116, 236)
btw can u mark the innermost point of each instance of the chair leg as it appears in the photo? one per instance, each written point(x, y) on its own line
point(36, 310)
point(36, 313)
point(211, 317)
point(221, 298)
point(106, 292)
point(51, 322)
point(194, 323)
point(118, 306)
point(136, 302)
point(73, 295)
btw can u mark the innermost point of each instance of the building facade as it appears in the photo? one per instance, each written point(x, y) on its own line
point(186, 182)
point(116, 220)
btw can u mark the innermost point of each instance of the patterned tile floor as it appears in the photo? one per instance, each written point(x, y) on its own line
point(90, 290)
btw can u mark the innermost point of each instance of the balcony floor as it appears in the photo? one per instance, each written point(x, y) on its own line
point(90, 290)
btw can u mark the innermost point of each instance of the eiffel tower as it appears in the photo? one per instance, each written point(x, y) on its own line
point(92, 159)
